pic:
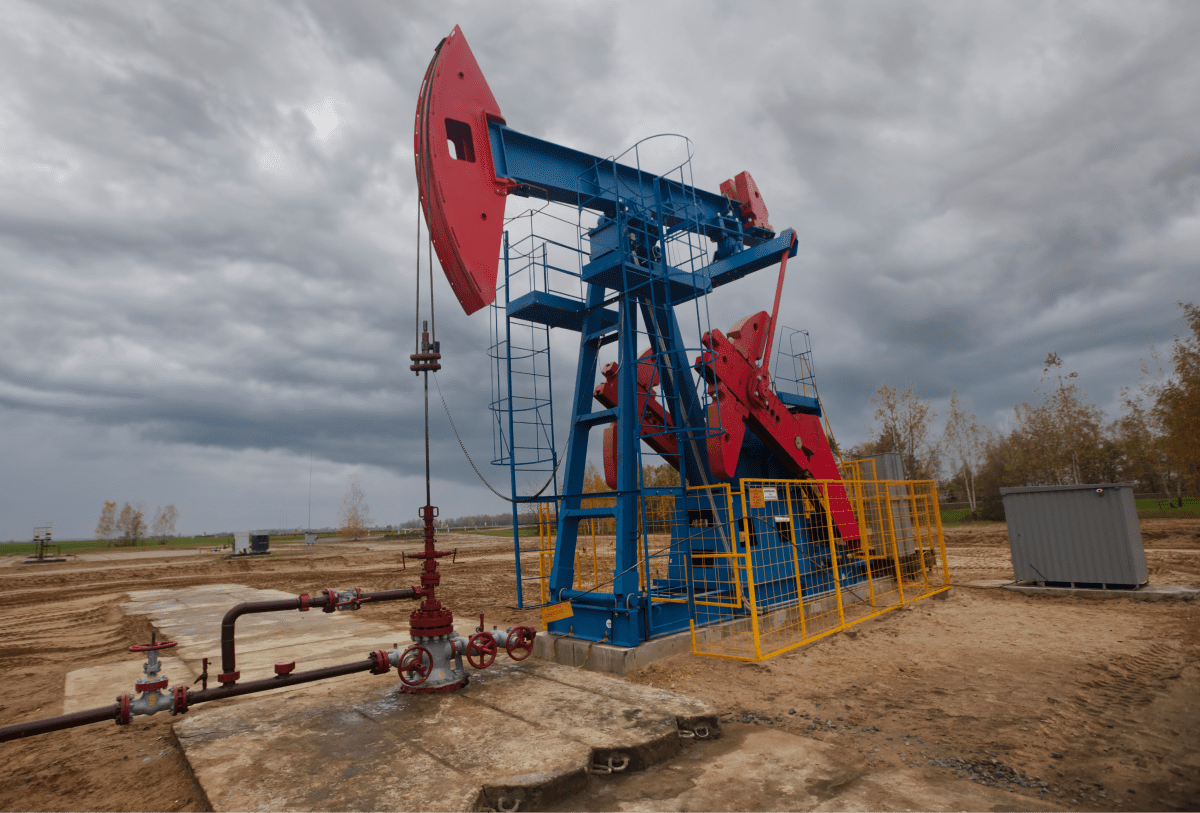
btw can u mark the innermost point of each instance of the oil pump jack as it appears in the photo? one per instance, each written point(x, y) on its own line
point(716, 417)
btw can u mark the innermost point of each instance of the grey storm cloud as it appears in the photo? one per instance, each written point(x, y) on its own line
point(208, 221)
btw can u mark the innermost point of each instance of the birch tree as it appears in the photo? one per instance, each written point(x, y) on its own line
point(966, 441)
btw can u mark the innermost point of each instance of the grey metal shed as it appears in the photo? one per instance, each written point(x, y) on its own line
point(1078, 536)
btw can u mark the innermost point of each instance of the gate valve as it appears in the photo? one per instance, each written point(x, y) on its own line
point(481, 650)
point(150, 689)
point(350, 599)
point(151, 667)
point(415, 665)
point(520, 642)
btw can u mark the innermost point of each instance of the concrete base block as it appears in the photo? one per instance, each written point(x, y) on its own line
point(613, 660)
point(1147, 592)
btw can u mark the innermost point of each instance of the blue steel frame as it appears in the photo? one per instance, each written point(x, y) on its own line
point(632, 287)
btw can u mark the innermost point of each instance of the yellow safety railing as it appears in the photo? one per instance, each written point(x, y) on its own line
point(774, 592)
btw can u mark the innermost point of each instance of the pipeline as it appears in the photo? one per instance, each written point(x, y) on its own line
point(329, 601)
point(114, 712)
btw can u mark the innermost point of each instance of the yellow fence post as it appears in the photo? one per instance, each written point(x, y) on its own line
point(796, 563)
point(887, 489)
point(837, 579)
point(920, 542)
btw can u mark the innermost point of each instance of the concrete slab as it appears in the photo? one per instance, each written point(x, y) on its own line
point(988, 584)
point(522, 734)
point(298, 752)
point(754, 770)
point(309, 754)
point(543, 770)
point(690, 713)
point(627, 732)
point(100, 685)
point(1147, 592)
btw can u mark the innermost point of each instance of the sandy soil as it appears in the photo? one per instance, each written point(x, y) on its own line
point(1073, 702)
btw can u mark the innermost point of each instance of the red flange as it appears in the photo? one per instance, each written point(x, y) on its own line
point(383, 664)
point(228, 677)
point(283, 669)
point(124, 714)
point(180, 705)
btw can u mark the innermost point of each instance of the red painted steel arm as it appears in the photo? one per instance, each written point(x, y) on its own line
point(743, 398)
point(655, 419)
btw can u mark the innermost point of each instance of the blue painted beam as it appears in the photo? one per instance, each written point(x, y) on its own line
point(752, 259)
point(800, 403)
point(543, 169)
point(544, 308)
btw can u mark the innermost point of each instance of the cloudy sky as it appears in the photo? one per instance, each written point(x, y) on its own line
point(208, 221)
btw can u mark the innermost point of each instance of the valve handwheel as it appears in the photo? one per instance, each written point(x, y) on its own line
point(481, 650)
point(415, 665)
point(152, 647)
point(520, 643)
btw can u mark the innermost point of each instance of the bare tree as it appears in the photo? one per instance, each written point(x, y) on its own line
point(355, 515)
point(1059, 441)
point(164, 523)
point(966, 440)
point(106, 527)
point(131, 524)
point(906, 421)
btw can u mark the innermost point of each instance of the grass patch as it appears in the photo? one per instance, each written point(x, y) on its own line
point(503, 533)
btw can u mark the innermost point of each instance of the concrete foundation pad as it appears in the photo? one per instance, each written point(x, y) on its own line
point(307, 753)
point(1147, 592)
point(751, 770)
point(614, 660)
point(524, 734)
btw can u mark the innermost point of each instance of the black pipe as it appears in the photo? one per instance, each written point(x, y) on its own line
point(228, 653)
point(266, 684)
point(47, 724)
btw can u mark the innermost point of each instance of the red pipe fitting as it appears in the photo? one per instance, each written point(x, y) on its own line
point(383, 663)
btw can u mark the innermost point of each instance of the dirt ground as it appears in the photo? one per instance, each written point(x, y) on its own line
point(1070, 703)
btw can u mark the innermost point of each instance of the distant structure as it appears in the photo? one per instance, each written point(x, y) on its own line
point(43, 537)
point(251, 543)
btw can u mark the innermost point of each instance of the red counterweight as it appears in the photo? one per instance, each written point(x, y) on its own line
point(462, 198)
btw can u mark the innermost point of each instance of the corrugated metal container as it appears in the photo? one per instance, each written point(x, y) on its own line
point(1079, 536)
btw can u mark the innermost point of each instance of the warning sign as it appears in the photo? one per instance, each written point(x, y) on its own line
point(556, 612)
point(757, 499)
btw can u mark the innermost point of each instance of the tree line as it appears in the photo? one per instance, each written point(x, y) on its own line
point(129, 527)
point(1062, 438)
